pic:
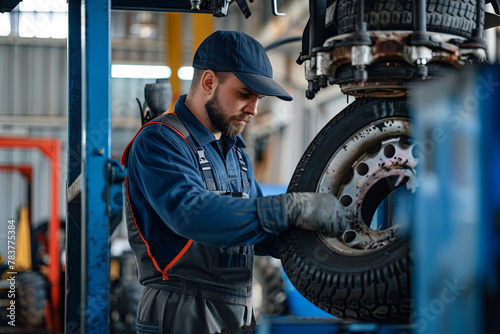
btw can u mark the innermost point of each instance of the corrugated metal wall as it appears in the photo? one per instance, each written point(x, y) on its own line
point(33, 76)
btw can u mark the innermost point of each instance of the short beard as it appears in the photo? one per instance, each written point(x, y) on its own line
point(218, 118)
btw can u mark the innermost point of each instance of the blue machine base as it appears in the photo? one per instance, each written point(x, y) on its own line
point(292, 325)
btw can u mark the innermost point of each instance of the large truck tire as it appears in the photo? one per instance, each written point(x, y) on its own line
point(31, 297)
point(455, 17)
point(352, 282)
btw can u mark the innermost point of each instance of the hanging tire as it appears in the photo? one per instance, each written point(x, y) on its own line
point(363, 156)
point(456, 17)
point(31, 291)
point(268, 297)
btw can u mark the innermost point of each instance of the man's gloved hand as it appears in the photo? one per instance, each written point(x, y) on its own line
point(310, 211)
point(317, 212)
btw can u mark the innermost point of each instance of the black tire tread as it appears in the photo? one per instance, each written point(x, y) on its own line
point(353, 296)
point(271, 280)
point(456, 17)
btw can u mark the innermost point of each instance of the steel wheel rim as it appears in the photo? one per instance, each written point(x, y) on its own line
point(366, 168)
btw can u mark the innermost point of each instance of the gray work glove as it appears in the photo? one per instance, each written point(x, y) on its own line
point(310, 211)
point(317, 212)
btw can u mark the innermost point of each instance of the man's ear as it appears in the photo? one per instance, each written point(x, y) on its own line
point(209, 82)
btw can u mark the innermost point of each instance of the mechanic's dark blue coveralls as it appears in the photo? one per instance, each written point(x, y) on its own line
point(194, 248)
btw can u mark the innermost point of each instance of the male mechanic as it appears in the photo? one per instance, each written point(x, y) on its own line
point(195, 212)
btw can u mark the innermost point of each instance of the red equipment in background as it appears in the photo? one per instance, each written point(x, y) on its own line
point(51, 150)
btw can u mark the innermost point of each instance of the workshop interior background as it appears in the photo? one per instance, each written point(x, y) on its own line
point(34, 91)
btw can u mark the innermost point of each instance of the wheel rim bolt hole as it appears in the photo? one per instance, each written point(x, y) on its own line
point(346, 200)
point(349, 236)
point(362, 169)
point(389, 151)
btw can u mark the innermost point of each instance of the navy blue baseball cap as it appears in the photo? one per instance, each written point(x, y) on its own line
point(236, 52)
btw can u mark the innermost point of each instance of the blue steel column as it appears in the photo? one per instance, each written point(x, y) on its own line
point(96, 148)
point(455, 241)
point(73, 218)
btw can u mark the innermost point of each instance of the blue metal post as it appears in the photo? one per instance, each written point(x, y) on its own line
point(96, 148)
point(454, 236)
point(73, 219)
